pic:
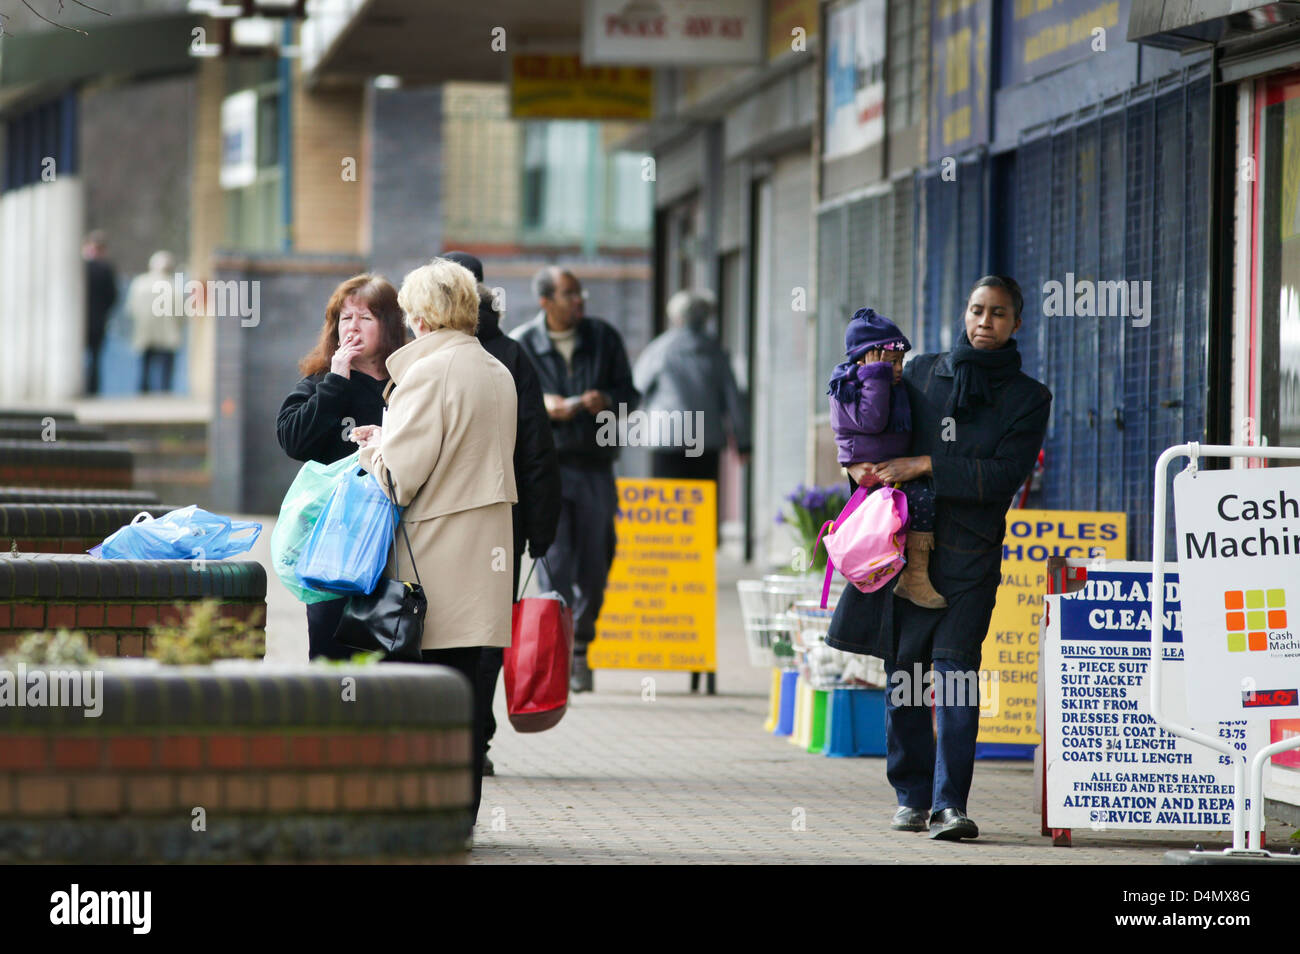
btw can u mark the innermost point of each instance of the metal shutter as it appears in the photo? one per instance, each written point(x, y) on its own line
point(1122, 195)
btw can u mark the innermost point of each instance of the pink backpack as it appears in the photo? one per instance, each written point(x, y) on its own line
point(866, 541)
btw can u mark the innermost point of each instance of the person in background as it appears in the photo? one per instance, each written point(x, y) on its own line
point(342, 387)
point(583, 369)
point(101, 295)
point(155, 320)
point(537, 473)
point(448, 449)
point(685, 371)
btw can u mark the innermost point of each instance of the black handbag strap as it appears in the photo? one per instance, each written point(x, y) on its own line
point(524, 588)
point(399, 522)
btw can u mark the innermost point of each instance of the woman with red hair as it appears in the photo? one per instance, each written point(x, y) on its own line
point(342, 388)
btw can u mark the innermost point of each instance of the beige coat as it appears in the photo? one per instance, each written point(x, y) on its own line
point(448, 444)
point(156, 317)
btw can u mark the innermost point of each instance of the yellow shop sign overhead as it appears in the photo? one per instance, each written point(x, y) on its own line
point(560, 86)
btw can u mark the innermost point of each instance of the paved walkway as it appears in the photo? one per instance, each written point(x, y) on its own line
point(693, 778)
point(689, 778)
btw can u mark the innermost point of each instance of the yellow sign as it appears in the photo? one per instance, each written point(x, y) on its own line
point(551, 86)
point(660, 609)
point(790, 25)
point(1009, 680)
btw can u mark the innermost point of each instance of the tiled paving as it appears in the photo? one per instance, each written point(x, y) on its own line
point(693, 778)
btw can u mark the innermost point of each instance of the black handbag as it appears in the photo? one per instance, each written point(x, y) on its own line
point(390, 619)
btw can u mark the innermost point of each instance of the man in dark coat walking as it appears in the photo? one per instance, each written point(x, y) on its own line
point(978, 423)
point(101, 295)
point(537, 473)
point(584, 370)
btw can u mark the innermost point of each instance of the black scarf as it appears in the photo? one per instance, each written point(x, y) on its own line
point(977, 372)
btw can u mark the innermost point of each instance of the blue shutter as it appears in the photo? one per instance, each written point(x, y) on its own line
point(1118, 196)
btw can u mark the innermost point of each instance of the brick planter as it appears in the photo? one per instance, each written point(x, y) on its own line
point(42, 495)
point(88, 464)
point(36, 414)
point(283, 767)
point(64, 527)
point(116, 601)
point(34, 430)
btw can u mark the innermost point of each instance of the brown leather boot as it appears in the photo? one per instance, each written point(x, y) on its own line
point(914, 582)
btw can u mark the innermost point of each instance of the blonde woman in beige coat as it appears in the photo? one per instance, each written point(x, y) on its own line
point(447, 444)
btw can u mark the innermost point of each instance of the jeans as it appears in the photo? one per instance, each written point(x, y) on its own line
point(165, 360)
point(577, 563)
point(923, 774)
point(466, 661)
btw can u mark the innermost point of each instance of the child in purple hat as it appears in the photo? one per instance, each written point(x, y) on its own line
point(872, 420)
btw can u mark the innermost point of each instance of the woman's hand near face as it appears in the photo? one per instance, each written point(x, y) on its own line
point(347, 352)
point(902, 469)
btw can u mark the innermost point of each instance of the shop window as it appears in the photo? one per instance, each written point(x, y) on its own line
point(575, 192)
point(254, 218)
point(1277, 266)
point(906, 52)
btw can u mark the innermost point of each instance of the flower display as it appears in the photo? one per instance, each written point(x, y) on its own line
point(810, 507)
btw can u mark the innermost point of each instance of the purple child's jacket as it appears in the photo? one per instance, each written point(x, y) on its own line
point(878, 425)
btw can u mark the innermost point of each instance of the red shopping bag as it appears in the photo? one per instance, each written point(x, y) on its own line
point(536, 664)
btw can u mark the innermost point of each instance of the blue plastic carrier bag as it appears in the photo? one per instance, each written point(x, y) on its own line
point(301, 509)
point(348, 548)
point(185, 534)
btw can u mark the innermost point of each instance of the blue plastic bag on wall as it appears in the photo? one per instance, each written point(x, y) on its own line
point(185, 534)
point(299, 512)
point(348, 548)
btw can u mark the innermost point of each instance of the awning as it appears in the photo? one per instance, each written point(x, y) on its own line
point(123, 46)
point(1182, 24)
point(424, 42)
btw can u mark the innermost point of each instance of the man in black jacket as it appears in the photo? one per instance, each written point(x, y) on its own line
point(583, 369)
point(537, 475)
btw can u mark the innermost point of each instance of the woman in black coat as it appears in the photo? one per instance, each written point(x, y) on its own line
point(342, 388)
point(978, 423)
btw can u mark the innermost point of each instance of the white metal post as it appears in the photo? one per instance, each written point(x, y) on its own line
point(1195, 451)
